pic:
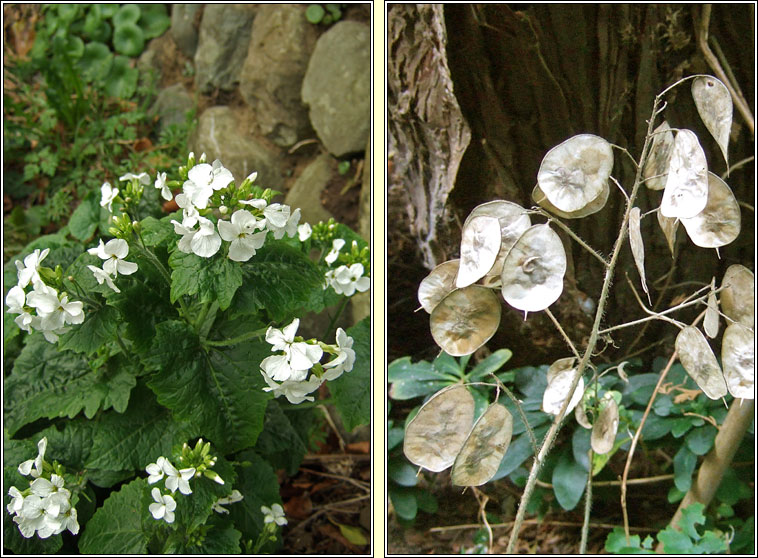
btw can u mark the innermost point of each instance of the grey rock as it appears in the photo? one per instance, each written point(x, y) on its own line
point(183, 29)
point(337, 87)
point(272, 75)
point(222, 45)
point(306, 191)
point(171, 105)
point(219, 135)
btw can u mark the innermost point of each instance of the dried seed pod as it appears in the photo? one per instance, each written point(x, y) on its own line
point(638, 248)
point(436, 434)
point(465, 320)
point(560, 375)
point(484, 448)
point(714, 105)
point(574, 173)
point(513, 219)
point(738, 294)
point(479, 248)
point(668, 226)
point(594, 206)
point(711, 319)
point(718, 224)
point(686, 191)
point(581, 417)
point(700, 363)
point(738, 358)
point(438, 284)
point(657, 163)
point(606, 426)
point(533, 270)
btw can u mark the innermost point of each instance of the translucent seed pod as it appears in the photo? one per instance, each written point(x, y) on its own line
point(738, 358)
point(700, 363)
point(435, 436)
point(465, 320)
point(638, 247)
point(560, 375)
point(711, 319)
point(513, 219)
point(714, 105)
point(480, 246)
point(483, 450)
point(606, 426)
point(686, 191)
point(657, 163)
point(718, 224)
point(593, 206)
point(738, 294)
point(668, 226)
point(438, 284)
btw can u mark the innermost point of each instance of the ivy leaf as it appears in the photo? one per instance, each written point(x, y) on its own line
point(216, 278)
point(48, 383)
point(116, 527)
point(352, 390)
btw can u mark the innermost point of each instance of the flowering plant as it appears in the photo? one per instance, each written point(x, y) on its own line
point(145, 331)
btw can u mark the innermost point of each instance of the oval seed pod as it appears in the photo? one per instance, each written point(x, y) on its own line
point(738, 294)
point(479, 248)
point(714, 105)
point(657, 163)
point(438, 284)
point(533, 270)
point(606, 426)
point(573, 173)
point(700, 363)
point(719, 222)
point(465, 320)
point(594, 206)
point(738, 358)
point(668, 226)
point(483, 450)
point(513, 219)
point(686, 191)
point(638, 248)
point(711, 319)
point(436, 434)
point(560, 375)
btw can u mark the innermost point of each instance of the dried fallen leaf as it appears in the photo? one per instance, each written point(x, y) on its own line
point(657, 163)
point(738, 358)
point(484, 448)
point(638, 248)
point(738, 294)
point(718, 224)
point(686, 191)
point(714, 105)
point(438, 284)
point(700, 363)
point(465, 320)
point(480, 245)
point(436, 434)
point(711, 319)
point(606, 426)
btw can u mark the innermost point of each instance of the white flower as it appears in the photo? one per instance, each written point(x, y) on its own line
point(234, 497)
point(187, 233)
point(206, 241)
point(304, 232)
point(107, 195)
point(252, 176)
point(17, 500)
point(203, 179)
point(278, 368)
point(160, 183)
point(277, 217)
point(28, 272)
point(255, 202)
point(300, 355)
point(337, 245)
point(178, 479)
point(347, 280)
point(26, 467)
point(16, 300)
point(53, 311)
point(290, 228)
point(142, 177)
point(66, 520)
point(114, 252)
point(164, 506)
point(295, 392)
point(155, 470)
point(241, 233)
point(29, 525)
point(345, 358)
point(189, 211)
point(55, 498)
point(103, 276)
point(274, 514)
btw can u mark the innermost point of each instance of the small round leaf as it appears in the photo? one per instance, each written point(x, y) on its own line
point(484, 448)
point(436, 434)
point(606, 426)
point(738, 358)
point(465, 320)
point(719, 223)
point(479, 248)
point(700, 363)
point(128, 39)
point(438, 284)
point(738, 294)
point(532, 277)
point(573, 173)
point(686, 191)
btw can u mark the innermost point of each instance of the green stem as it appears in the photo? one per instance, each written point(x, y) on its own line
point(201, 317)
point(164, 273)
point(587, 509)
point(236, 340)
point(333, 321)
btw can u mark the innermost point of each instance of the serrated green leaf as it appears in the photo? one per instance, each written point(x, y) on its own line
point(675, 542)
point(216, 278)
point(155, 232)
point(221, 539)
point(116, 527)
point(615, 543)
point(97, 329)
point(279, 442)
point(569, 480)
point(352, 390)
point(48, 383)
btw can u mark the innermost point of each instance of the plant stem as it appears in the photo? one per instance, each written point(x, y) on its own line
point(573, 235)
point(236, 340)
point(594, 335)
point(587, 509)
point(333, 321)
point(563, 333)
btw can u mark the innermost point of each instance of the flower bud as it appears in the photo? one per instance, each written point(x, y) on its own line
point(213, 476)
point(223, 209)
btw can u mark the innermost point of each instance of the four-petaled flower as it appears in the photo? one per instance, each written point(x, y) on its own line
point(114, 252)
point(337, 245)
point(345, 358)
point(142, 177)
point(203, 179)
point(295, 391)
point(155, 470)
point(241, 232)
point(234, 497)
point(107, 195)
point(274, 514)
point(300, 355)
point(160, 183)
point(28, 272)
point(163, 507)
point(346, 280)
point(178, 479)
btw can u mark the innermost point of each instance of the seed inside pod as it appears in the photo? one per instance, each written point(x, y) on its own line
point(700, 363)
point(483, 450)
point(465, 320)
point(513, 219)
point(738, 358)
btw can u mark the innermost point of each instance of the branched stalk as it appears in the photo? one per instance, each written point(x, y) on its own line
point(594, 335)
point(563, 333)
point(236, 340)
point(587, 509)
point(573, 235)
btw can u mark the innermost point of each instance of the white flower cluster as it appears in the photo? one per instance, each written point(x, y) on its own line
point(245, 231)
point(345, 280)
point(113, 254)
point(45, 507)
point(298, 357)
point(53, 310)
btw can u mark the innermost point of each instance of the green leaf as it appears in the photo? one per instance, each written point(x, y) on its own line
point(221, 539)
point(353, 534)
point(700, 440)
point(684, 464)
point(216, 278)
point(116, 527)
point(569, 480)
point(122, 79)
point(394, 437)
point(352, 390)
point(156, 232)
point(404, 502)
point(48, 383)
point(97, 329)
point(128, 13)
point(403, 369)
point(426, 501)
point(489, 365)
point(675, 542)
point(314, 13)
point(85, 218)
point(402, 472)
point(615, 543)
point(154, 21)
point(279, 441)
